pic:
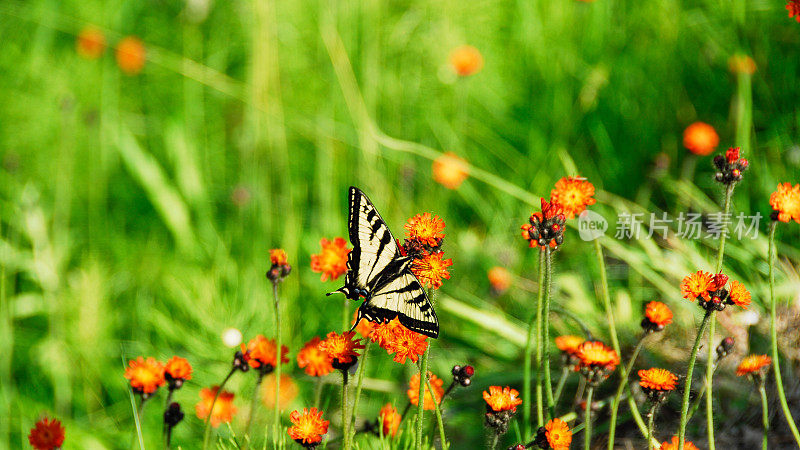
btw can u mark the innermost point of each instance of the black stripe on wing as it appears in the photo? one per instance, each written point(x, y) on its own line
point(382, 315)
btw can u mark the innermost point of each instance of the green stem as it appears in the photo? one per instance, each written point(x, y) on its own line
point(253, 404)
point(606, 296)
point(773, 333)
point(700, 396)
point(164, 432)
point(318, 392)
point(137, 417)
point(687, 388)
point(709, 380)
point(764, 414)
point(626, 370)
point(359, 384)
point(495, 438)
point(345, 437)
point(587, 421)
point(439, 423)
point(548, 386)
point(650, 415)
point(207, 432)
point(526, 369)
point(562, 380)
point(277, 413)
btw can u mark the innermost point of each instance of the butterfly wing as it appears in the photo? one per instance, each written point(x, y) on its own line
point(375, 250)
point(403, 297)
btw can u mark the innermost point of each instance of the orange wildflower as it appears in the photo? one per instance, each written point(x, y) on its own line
point(261, 351)
point(426, 229)
point(90, 43)
point(466, 60)
point(450, 170)
point(739, 295)
point(390, 420)
point(545, 227)
point(569, 344)
point(364, 327)
point(130, 55)
point(145, 376)
point(697, 285)
point(657, 379)
point(332, 260)
point(47, 434)
point(700, 138)
point(397, 339)
point(574, 194)
point(596, 353)
point(289, 391)
point(786, 202)
point(741, 64)
point(313, 360)
point(558, 434)
point(277, 257)
point(413, 391)
point(430, 269)
point(223, 408)
point(341, 347)
point(308, 427)
point(753, 364)
point(502, 399)
point(176, 371)
point(674, 445)
point(793, 6)
point(658, 314)
point(499, 278)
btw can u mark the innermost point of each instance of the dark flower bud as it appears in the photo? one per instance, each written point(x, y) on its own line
point(517, 447)
point(240, 362)
point(725, 347)
point(173, 415)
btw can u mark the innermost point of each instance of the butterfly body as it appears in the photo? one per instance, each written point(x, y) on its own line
point(381, 274)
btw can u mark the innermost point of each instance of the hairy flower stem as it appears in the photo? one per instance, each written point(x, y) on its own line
point(277, 413)
point(545, 341)
point(437, 409)
point(562, 380)
point(650, 417)
point(605, 294)
point(165, 433)
point(587, 421)
point(423, 380)
point(495, 438)
point(253, 403)
point(764, 414)
point(207, 432)
point(318, 392)
point(359, 383)
point(687, 388)
point(773, 334)
point(138, 419)
point(345, 432)
point(700, 396)
point(526, 369)
point(623, 382)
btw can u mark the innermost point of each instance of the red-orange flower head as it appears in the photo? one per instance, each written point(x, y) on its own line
point(279, 265)
point(545, 227)
point(430, 269)
point(574, 194)
point(261, 353)
point(395, 338)
point(786, 202)
point(466, 60)
point(753, 365)
point(342, 349)
point(569, 344)
point(656, 316)
point(700, 138)
point(289, 391)
point(332, 260)
point(308, 427)
point(91, 43)
point(145, 376)
point(555, 435)
point(176, 371)
point(597, 361)
point(711, 293)
point(130, 55)
point(793, 6)
point(731, 167)
point(413, 391)
point(223, 408)
point(313, 360)
point(450, 170)
point(47, 434)
point(499, 279)
point(674, 445)
point(502, 399)
point(389, 419)
point(426, 229)
point(657, 383)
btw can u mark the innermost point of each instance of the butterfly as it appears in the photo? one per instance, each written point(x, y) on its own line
point(378, 271)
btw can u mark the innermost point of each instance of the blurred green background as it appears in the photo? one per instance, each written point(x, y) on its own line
point(138, 210)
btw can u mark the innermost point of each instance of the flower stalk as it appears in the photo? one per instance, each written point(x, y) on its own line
point(687, 388)
point(764, 414)
point(359, 384)
point(423, 375)
point(587, 421)
point(345, 431)
point(533, 327)
point(623, 383)
point(207, 431)
point(277, 413)
point(545, 339)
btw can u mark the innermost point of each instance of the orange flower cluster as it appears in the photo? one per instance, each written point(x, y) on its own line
point(413, 391)
point(466, 60)
point(710, 291)
point(176, 371)
point(597, 361)
point(399, 340)
point(574, 194)
point(223, 411)
point(91, 43)
point(449, 170)
point(389, 419)
point(289, 391)
point(569, 198)
point(558, 434)
point(499, 279)
point(752, 365)
point(313, 360)
point(656, 316)
point(423, 243)
point(700, 138)
point(47, 434)
point(308, 427)
point(279, 265)
point(502, 399)
point(261, 353)
point(130, 55)
point(786, 202)
point(332, 260)
point(145, 375)
point(656, 382)
point(674, 445)
point(568, 345)
point(342, 349)
point(793, 6)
